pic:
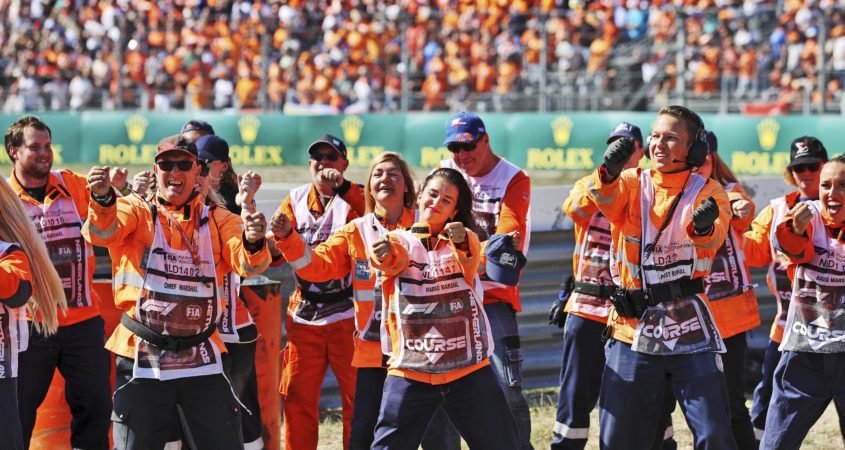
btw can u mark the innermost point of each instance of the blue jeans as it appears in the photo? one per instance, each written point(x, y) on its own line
point(507, 363)
point(804, 385)
point(440, 435)
point(632, 396)
point(475, 404)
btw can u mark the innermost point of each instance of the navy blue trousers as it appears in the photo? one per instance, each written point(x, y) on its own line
point(475, 403)
point(633, 390)
point(804, 385)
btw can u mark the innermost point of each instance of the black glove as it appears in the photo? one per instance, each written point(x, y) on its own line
point(704, 216)
point(617, 155)
point(556, 314)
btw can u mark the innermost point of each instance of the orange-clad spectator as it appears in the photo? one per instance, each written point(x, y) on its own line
point(706, 77)
point(599, 52)
point(485, 77)
point(434, 93)
point(508, 71)
point(747, 70)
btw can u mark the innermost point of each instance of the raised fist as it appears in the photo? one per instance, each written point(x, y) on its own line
point(280, 224)
point(456, 232)
point(99, 181)
point(617, 155)
point(801, 215)
point(247, 187)
point(118, 177)
point(331, 176)
point(381, 248)
point(704, 216)
point(254, 226)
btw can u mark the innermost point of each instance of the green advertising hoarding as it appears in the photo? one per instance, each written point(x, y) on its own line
point(553, 141)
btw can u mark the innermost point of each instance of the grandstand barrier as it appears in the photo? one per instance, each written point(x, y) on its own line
point(264, 301)
point(535, 141)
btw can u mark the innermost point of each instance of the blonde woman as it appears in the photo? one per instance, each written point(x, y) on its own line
point(40, 291)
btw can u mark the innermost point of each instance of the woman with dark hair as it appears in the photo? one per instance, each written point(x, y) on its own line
point(389, 197)
point(439, 337)
point(806, 157)
point(811, 370)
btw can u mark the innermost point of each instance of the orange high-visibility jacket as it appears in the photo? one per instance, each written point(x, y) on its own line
point(619, 201)
point(392, 266)
point(800, 249)
point(75, 188)
point(126, 228)
point(341, 254)
point(14, 269)
point(760, 251)
point(354, 197)
point(738, 313)
point(581, 208)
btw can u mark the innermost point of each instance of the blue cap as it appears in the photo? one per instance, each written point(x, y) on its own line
point(504, 262)
point(197, 125)
point(464, 127)
point(628, 130)
point(212, 148)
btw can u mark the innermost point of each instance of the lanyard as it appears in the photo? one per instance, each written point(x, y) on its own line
point(190, 243)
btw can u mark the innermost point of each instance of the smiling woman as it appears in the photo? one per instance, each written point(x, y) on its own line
point(813, 359)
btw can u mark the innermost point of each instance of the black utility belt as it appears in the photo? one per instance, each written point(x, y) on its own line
point(673, 290)
point(596, 290)
point(632, 303)
point(333, 297)
point(165, 341)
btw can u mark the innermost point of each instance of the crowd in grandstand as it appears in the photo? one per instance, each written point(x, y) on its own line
point(347, 55)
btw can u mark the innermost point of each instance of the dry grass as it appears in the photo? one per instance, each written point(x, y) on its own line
point(825, 435)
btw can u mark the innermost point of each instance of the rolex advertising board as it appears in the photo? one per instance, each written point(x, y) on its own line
point(553, 141)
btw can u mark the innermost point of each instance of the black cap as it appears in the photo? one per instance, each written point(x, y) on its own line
point(628, 130)
point(712, 142)
point(176, 144)
point(212, 148)
point(197, 125)
point(332, 141)
point(806, 150)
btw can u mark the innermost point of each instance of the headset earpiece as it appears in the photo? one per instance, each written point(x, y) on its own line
point(699, 148)
point(647, 149)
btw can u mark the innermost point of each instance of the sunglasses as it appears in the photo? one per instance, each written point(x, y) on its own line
point(331, 156)
point(168, 166)
point(800, 168)
point(457, 147)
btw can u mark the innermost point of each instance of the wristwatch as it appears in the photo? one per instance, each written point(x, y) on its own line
point(103, 199)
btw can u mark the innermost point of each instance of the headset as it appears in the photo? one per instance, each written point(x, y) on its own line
point(699, 147)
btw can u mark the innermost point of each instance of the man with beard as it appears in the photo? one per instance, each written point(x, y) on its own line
point(57, 203)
